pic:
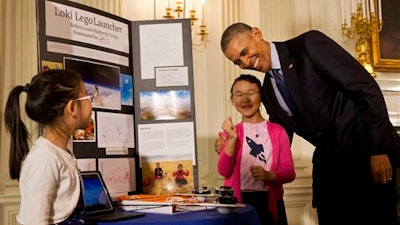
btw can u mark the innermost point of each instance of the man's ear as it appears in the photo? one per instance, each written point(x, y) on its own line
point(256, 33)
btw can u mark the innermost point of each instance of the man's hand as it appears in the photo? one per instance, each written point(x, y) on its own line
point(381, 168)
point(219, 141)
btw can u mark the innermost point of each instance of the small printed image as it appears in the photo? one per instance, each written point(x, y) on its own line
point(88, 134)
point(167, 177)
point(47, 65)
point(101, 81)
point(165, 105)
point(126, 90)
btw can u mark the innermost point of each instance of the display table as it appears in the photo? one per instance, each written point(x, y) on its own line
point(240, 216)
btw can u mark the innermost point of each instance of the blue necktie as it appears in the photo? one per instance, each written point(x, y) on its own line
point(280, 83)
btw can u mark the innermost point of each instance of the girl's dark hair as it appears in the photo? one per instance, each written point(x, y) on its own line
point(247, 77)
point(47, 95)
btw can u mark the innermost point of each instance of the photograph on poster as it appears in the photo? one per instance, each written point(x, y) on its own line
point(165, 105)
point(126, 83)
point(165, 175)
point(88, 134)
point(101, 81)
point(48, 65)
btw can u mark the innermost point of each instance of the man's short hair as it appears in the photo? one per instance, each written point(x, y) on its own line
point(232, 31)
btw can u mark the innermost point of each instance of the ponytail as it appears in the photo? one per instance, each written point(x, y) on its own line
point(47, 95)
point(18, 133)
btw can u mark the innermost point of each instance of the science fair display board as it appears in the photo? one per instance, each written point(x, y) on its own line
point(140, 73)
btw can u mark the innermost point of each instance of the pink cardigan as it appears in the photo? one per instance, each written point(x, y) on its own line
point(282, 164)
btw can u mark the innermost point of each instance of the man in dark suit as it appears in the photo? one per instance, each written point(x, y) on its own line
point(332, 102)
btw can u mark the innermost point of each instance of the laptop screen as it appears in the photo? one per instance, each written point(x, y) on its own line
point(95, 194)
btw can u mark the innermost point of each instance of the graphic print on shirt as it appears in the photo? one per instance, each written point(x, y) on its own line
point(256, 150)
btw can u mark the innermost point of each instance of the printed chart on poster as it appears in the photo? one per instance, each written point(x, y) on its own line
point(118, 174)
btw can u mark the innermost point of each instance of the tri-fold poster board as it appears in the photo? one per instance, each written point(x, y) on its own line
point(142, 132)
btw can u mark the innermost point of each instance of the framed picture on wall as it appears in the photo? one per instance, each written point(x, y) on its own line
point(386, 43)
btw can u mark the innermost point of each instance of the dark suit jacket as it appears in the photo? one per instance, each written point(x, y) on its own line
point(342, 106)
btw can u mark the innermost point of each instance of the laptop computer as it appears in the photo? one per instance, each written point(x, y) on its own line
point(97, 201)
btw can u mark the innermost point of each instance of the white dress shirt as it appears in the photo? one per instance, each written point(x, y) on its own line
point(276, 64)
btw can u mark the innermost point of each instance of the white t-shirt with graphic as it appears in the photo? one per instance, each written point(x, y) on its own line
point(257, 150)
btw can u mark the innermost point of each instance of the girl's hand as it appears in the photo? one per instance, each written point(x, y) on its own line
point(229, 128)
point(259, 173)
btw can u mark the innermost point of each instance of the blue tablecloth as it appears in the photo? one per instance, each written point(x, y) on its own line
point(239, 216)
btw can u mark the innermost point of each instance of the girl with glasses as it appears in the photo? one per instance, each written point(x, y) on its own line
point(255, 158)
point(47, 172)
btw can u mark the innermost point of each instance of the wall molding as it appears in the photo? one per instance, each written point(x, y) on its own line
point(391, 92)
